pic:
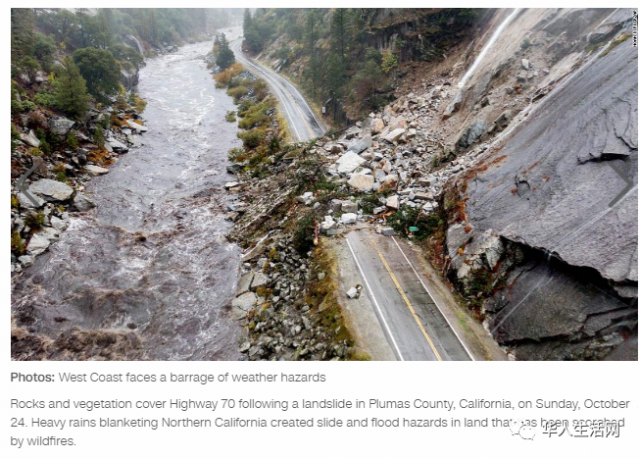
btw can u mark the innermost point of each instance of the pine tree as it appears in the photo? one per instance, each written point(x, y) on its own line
point(247, 23)
point(224, 56)
point(71, 90)
point(23, 38)
point(310, 39)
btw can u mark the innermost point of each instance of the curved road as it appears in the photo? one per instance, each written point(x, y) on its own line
point(303, 122)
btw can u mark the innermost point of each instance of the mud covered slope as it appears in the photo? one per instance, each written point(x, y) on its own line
point(554, 199)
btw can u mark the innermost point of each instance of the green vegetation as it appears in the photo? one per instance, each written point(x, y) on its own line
point(230, 116)
point(336, 53)
point(407, 217)
point(222, 52)
point(615, 43)
point(34, 220)
point(17, 245)
point(100, 71)
point(70, 90)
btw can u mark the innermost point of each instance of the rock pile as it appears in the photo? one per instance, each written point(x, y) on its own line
point(41, 202)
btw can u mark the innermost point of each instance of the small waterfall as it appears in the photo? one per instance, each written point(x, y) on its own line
point(138, 44)
point(486, 48)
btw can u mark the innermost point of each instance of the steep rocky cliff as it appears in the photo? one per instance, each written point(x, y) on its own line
point(548, 231)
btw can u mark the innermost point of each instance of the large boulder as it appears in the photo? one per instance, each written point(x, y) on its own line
point(95, 170)
point(51, 189)
point(361, 145)
point(31, 201)
point(139, 128)
point(377, 125)
point(362, 182)
point(82, 203)
point(242, 304)
point(453, 106)
point(394, 135)
point(349, 162)
point(60, 125)
point(30, 139)
point(472, 134)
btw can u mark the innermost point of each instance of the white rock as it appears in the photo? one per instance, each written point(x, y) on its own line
point(349, 218)
point(259, 280)
point(58, 224)
point(327, 224)
point(349, 162)
point(30, 139)
point(306, 198)
point(38, 244)
point(392, 202)
point(117, 145)
point(95, 170)
point(137, 127)
point(51, 188)
point(352, 293)
point(377, 125)
point(394, 135)
point(361, 181)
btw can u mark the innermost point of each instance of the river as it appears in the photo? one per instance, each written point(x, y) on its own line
point(153, 256)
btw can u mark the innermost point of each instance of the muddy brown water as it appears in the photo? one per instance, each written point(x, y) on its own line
point(153, 255)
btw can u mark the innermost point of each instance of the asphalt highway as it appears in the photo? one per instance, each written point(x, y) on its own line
point(304, 124)
point(412, 321)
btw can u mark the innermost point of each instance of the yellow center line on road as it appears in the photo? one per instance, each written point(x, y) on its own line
point(411, 309)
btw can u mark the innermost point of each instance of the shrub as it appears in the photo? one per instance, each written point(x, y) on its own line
point(37, 120)
point(98, 136)
point(407, 217)
point(238, 92)
point(72, 141)
point(303, 234)
point(230, 116)
point(15, 136)
point(252, 138)
point(34, 152)
point(34, 220)
point(45, 98)
point(223, 78)
point(15, 203)
point(99, 69)
point(17, 245)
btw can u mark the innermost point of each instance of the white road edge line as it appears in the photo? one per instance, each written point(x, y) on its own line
point(375, 301)
point(434, 299)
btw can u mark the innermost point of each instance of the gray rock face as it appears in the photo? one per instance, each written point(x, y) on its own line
point(61, 125)
point(259, 280)
point(552, 188)
point(26, 202)
point(242, 304)
point(472, 134)
point(361, 145)
point(82, 203)
point(51, 189)
point(454, 105)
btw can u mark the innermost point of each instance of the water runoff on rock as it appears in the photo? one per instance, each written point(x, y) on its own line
point(153, 256)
